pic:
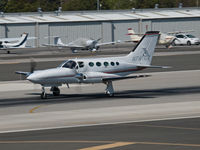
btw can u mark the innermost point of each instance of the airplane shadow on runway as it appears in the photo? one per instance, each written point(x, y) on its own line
point(128, 94)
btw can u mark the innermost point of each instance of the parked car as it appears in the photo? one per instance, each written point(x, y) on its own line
point(186, 39)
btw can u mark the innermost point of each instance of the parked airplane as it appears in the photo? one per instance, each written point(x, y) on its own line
point(13, 43)
point(164, 39)
point(97, 70)
point(80, 44)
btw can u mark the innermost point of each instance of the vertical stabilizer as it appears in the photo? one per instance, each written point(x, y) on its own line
point(57, 41)
point(144, 50)
point(134, 37)
point(22, 42)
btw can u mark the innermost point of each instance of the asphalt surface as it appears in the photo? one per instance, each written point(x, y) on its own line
point(181, 134)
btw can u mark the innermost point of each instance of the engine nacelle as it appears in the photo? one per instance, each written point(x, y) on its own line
point(95, 77)
point(91, 77)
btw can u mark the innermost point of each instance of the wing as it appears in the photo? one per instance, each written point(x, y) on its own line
point(152, 66)
point(10, 39)
point(177, 32)
point(32, 38)
point(107, 43)
point(127, 77)
point(63, 46)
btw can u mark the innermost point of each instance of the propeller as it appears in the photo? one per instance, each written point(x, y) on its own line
point(33, 64)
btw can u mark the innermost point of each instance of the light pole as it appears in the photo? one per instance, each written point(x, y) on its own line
point(97, 5)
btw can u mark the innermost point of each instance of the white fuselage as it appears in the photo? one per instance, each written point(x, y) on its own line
point(90, 71)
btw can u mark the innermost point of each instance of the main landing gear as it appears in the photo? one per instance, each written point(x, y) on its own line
point(54, 89)
point(109, 89)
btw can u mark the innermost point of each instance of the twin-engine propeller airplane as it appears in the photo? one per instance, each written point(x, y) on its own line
point(97, 70)
point(80, 44)
point(164, 38)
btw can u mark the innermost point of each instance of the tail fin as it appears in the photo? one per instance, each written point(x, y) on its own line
point(57, 41)
point(143, 51)
point(134, 37)
point(22, 42)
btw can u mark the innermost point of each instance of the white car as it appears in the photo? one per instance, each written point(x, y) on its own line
point(186, 39)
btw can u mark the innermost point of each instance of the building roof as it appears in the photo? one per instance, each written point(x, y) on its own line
point(98, 16)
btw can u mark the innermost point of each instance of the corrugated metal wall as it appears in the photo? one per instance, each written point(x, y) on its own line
point(2, 31)
point(107, 30)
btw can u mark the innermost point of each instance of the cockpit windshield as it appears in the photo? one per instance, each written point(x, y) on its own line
point(69, 64)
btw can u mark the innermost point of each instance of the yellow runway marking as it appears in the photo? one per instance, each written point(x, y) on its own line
point(34, 108)
point(169, 144)
point(110, 144)
point(169, 127)
point(4, 63)
point(107, 146)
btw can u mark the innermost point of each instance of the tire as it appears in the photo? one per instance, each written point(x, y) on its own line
point(8, 52)
point(188, 43)
point(56, 91)
point(43, 95)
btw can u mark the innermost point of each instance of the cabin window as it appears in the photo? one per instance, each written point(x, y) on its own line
point(106, 64)
point(70, 64)
point(117, 63)
point(91, 64)
point(98, 64)
point(112, 63)
point(81, 64)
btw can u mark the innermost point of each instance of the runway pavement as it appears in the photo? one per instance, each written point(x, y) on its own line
point(83, 117)
point(163, 95)
point(182, 134)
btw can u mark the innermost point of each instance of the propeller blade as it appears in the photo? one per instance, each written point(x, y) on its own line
point(33, 64)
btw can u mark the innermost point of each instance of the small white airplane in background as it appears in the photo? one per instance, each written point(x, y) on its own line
point(164, 39)
point(12, 43)
point(97, 70)
point(80, 44)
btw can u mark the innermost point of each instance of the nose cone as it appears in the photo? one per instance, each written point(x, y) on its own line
point(32, 77)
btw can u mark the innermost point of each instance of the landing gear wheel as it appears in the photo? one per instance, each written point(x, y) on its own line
point(188, 43)
point(109, 94)
point(56, 91)
point(8, 52)
point(43, 95)
point(109, 89)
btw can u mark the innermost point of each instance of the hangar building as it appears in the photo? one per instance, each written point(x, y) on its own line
point(108, 25)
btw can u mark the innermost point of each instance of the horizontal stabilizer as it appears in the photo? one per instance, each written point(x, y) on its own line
point(152, 66)
point(23, 73)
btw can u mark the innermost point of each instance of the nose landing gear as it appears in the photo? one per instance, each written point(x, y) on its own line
point(43, 94)
point(54, 89)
